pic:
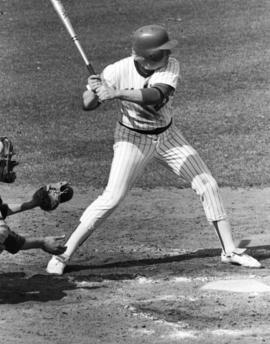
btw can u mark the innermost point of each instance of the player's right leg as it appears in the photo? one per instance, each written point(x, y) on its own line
point(131, 154)
point(184, 160)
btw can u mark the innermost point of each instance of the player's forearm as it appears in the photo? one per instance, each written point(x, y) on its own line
point(11, 209)
point(148, 96)
point(134, 96)
point(18, 207)
point(31, 243)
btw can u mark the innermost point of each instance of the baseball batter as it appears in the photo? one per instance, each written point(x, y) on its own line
point(145, 83)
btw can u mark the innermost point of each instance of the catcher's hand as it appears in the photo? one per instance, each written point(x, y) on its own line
point(48, 197)
point(7, 175)
point(53, 245)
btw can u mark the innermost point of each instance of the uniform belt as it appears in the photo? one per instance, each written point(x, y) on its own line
point(149, 132)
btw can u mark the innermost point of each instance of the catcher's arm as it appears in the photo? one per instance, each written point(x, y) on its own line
point(47, 197)
point(13, 242)
point(49, 244)
point(11, 209)
point(9, 240)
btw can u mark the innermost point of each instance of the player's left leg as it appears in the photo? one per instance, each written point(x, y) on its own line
point(132, 152)
point(183, 159)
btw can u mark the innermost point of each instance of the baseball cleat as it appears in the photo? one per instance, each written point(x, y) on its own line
point(56, 266)
point(240, 258)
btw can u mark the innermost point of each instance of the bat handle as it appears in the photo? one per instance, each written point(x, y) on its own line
point(90, 69)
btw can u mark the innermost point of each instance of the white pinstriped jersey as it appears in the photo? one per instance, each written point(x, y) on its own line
point(124, 75)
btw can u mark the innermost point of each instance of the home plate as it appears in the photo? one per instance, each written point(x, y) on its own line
point(238, 286)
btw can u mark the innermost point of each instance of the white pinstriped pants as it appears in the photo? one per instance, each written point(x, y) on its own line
point(132, 152)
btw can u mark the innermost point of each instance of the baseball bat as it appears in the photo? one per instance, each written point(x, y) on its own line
point(60, 10)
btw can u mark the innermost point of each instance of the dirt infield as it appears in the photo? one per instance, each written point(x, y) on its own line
point(142, 278)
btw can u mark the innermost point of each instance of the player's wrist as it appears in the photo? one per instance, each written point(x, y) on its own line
point(32, 242)
point(43, 244)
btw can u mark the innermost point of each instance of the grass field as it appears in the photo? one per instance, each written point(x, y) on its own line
point(222, 103)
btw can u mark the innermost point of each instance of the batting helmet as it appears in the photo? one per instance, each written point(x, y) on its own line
point(150, 41)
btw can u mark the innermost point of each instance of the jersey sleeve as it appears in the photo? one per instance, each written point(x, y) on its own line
point(169, 75)
point(109, 75)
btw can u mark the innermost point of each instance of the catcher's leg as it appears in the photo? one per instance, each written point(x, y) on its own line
point(129, 160)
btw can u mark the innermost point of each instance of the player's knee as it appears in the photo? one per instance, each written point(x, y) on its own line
point(204, 184)
point(112, 199)
point(101, 208)
point(107, 201)
point(211, 184)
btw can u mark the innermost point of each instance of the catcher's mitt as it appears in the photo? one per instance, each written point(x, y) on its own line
point(48, 197)
point(7, 175)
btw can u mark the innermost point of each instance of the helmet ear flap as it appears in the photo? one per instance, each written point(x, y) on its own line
point(156, 56)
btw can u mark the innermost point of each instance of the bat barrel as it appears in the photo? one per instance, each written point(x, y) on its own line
point(59, 8)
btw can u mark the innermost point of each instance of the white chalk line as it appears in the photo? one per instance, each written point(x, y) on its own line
point(181, 330)
point(178, 330)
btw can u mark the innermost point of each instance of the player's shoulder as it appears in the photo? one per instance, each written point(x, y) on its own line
point(117, 69)
point(173, 64)
point(120, 65)
point(126, 61)
point(172, 68)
